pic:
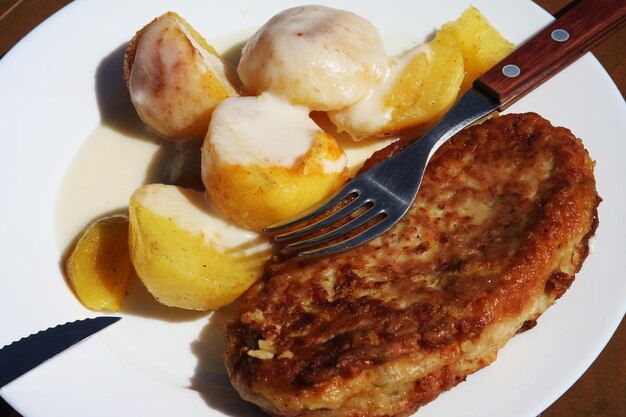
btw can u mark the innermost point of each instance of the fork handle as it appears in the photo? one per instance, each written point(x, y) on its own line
point(576, 30)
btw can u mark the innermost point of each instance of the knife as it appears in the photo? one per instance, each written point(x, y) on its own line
point(21, 356)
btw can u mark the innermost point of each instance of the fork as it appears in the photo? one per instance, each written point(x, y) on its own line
point(378, 198)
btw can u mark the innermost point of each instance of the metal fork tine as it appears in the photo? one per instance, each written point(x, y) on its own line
point(363, 237)
point(394, 182)
point(315, 211)
point(345, 211)
point(365, 217)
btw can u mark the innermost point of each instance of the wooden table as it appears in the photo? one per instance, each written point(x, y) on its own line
point(601, 391)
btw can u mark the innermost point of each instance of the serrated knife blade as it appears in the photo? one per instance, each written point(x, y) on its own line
point(23, 355)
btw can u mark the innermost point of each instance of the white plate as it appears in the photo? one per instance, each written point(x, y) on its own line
point(63, 79)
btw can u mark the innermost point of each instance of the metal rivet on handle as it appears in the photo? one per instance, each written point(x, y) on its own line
point(511, 70)
point(560, 35)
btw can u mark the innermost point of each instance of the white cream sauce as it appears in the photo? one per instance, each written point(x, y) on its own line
point(264, 131)
point(194, 215)
point(213, 64)
point(152, 52)
point(107, 169)
point(120, 156)
point(369, 114)
point(314, 55)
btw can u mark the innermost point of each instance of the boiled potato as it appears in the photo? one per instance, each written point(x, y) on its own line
point(98, 268)
point(175, 78)
point(264, 161)
point(185, 255)
point(422, 86)
point(481, 44)
point(317, 56)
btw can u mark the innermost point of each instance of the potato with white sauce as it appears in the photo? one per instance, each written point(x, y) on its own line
point(264, 160)
point(424, 82)
point(422, 85)
point(317, 56)
point(176, 78)
point(187, 256)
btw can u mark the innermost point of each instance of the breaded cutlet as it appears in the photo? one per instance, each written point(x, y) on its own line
point(500, 226)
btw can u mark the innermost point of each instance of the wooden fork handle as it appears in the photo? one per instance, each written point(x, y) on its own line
point(575, 31)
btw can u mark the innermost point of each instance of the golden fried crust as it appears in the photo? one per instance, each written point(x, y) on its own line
point(496, 234)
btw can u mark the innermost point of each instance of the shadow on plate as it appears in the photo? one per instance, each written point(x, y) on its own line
point(139, 302)
point(174, 162)
point(233, 54)
point(210, 378)
point(116, 109)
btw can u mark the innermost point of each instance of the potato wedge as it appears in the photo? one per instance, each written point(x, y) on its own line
point(185, 255)
point(98, 268)
point(481, 44)
point(175, 78)
point(423, 85)
point(428, 87)
point(264, 161)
